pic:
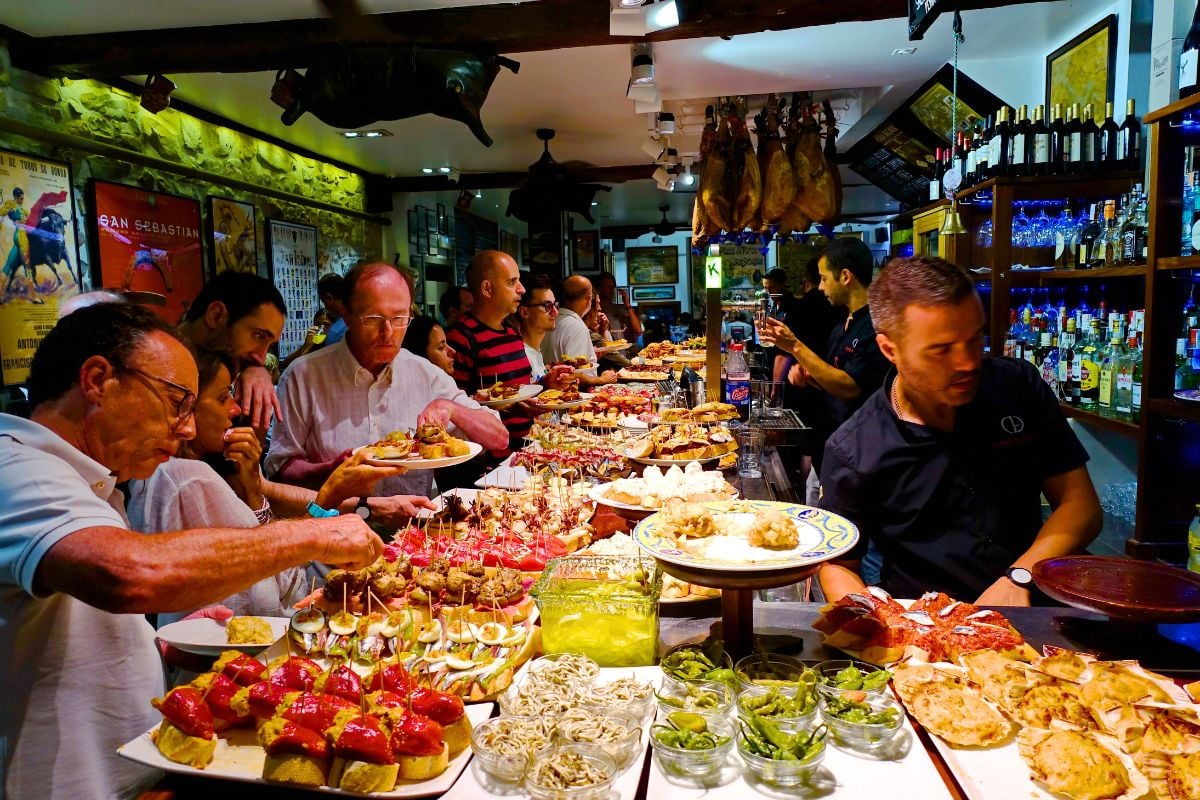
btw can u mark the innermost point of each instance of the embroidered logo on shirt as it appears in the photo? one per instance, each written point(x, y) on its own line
point(1012, 425)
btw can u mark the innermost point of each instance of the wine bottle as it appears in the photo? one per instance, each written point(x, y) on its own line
point(1039, 163)
point(1058, 142)
point(983, 152)
point(1189, 59)
point(1089, 160)
point(1001, 146)
point(1072, 142)
point(1087, 240)
point(1108, 156)
point(1021, 144)
point(1129, 139)
point(935, 183)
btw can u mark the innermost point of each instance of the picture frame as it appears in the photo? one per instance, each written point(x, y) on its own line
point(422, 218)
point(652, 265)
point(585, 251)
point(510, 243)
point(1083, 69)
point(642, 293)
point(147, 241)
point(412, 226)
point(29, 302)
point(294, 270)
point(233, 236)
point(422, 242)
point(442, 223)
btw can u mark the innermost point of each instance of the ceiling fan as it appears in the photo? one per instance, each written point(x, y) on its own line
point(663, 227)
point(552, 187)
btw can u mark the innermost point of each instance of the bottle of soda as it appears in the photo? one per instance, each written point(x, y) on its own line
point(737, 379)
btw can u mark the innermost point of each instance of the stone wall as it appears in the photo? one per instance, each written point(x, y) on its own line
point(95, 111)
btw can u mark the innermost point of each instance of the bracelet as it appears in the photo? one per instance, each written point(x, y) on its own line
point(315, 510)
point(264, 514)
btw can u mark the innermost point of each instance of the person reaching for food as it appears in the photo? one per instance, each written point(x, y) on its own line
point(215, 482)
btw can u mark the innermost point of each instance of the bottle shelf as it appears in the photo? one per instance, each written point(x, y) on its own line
point(1177, 262)
point(1050, 187)
point(1035, 277)
point(1170, 407)
point(1093, 418)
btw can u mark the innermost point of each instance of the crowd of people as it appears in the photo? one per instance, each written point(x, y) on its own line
point(251, 489)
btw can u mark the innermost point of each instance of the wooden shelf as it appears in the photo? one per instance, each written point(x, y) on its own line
point(1041, 187)
point(1178, 107)
point(1121, 426)
point(1050, 276)
point(1177, 262)
point(1170, 407)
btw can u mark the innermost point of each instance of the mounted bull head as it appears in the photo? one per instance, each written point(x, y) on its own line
point(358, 86)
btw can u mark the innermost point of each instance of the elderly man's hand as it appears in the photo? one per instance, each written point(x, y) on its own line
point(256, 396)
point(348, 542)
point(559, 376)
point(440, 412)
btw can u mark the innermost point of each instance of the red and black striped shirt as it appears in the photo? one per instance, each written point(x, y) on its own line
point(484, 355)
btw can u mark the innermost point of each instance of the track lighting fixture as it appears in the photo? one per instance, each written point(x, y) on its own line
point(156, 94)
point(629, 18)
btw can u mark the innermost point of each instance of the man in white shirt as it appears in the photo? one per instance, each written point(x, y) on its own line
point(359, 390)
point(570, 336)
point(112, 389)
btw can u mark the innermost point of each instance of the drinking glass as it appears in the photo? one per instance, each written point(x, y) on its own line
point(766, 399)
point(1020, 229)
point(750, 442)
point(1041, 231)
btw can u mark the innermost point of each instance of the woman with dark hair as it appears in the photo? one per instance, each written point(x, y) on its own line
point(427, 339)
point(215, 482)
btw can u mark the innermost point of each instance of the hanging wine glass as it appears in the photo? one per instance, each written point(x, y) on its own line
point(1020, 229)
point(1040, 232)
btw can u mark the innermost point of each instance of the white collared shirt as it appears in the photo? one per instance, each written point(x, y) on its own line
point(570, 337)
point(77, 681)
point(331, 404)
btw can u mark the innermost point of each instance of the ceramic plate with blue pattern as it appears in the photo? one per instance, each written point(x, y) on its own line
point(1188, 395)
point(822, 536)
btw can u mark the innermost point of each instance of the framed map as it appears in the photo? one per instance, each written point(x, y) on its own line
point(1082, 70)
point(650, 265)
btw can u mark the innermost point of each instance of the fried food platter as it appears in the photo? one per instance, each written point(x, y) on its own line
point(411, 463)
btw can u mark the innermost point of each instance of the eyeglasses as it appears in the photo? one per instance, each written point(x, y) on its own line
point(374, 322)
point(548, 306)
point(183, 406)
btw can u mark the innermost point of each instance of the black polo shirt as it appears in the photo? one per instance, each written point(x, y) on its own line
point(951, 511)
point(853, 349)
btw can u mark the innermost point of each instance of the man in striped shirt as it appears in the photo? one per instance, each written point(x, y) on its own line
point(486, 347)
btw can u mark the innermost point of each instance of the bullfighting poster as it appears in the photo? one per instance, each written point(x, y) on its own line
point(234, 243)
point(147, 242)
point(293, 249)
point(38, 250)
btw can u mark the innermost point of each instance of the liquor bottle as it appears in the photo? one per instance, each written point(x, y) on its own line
point(1129, 139)
point(1047, 311)
point(1021, 145)
point(1108, 156)
point(970, 159)
point(1189, 59)
point(1072, 148)
point(1047, 360)
point(1001, 145)
point(983, 152)
point(1039, 161)
point(1131, 235)
point(1127, 401)
point(1107, 357)
point(1193, 540)
point(1060, 146)
point(1071, 370)
point(1185, 378)
point(1089, 368)
point(1191, 314)
point(1083, 314)
point(935, 183)
point(1194, 225)
point(1141, 213)
point(1087, 239)
point(1090, 139)
point(1111, 252)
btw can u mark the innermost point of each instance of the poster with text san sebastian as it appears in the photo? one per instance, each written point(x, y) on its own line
point(38, 251)
point(147, 242)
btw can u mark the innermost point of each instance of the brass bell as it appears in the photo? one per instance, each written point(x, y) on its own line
point(952, 223)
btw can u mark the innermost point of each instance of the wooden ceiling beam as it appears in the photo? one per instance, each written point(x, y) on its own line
point(506, 28)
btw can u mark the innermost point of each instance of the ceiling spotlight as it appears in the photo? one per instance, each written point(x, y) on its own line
point(630, 3)
point(653, 147)
point(427, 170)
point(686, 178)
point(452, 175)
point(665, 123)
point(375, 133)
point(642, 66)
point(595, 202)
point(627, 18)
point(478, 194)
point(904, 51)
point(156, 94)
point(445, 170)
point(649, 105)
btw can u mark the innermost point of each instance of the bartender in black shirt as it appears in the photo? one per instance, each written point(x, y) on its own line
point(852, 367)
point(943, 468)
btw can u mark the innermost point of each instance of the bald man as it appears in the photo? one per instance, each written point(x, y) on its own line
point(487, 349)
point(571, 336)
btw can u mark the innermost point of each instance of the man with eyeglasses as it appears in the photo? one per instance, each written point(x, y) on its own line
point(243, 315)
point(362, 388)
point(537, 316)
point(571, 336)
point(112, 389)
point(487, 349)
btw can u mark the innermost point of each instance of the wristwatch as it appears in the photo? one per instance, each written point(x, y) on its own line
point(362, 509)
point(1020, 576)
point(315, 510)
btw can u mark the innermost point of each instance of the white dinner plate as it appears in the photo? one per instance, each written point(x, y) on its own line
point(206, 637)
point(613, 348)
point(474, 449)
point(583, 398)
point(523, 393)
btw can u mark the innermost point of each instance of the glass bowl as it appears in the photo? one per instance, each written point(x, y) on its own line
point(522, 700)
point(778, 772)
point(860, 735)
point(788, 724)
point(768, 669)
point(576, 665)
point(617, 733)
point(592, 758)
point(624, 694)
point(696, 763)
point(827, 672)
point(717, 657)
point(504, 745)
point(704, 697)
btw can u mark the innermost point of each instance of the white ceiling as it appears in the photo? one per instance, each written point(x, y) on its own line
point(581, 92)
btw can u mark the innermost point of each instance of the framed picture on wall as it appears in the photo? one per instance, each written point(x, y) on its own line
point(422, 242)
point(37, 192)
point(649, 265)
point(293, 249)
point(234, 243)
point(509, 243)
point(1082, 70)
point(412, 226)
point(443, 226)
point(654, 293)
point(585, 251)
point(147, 241)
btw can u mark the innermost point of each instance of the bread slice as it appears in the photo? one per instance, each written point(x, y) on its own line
point(362, 777)
point(295, 768)
point(181, 748)
point(419, 768)
point(457, 735)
